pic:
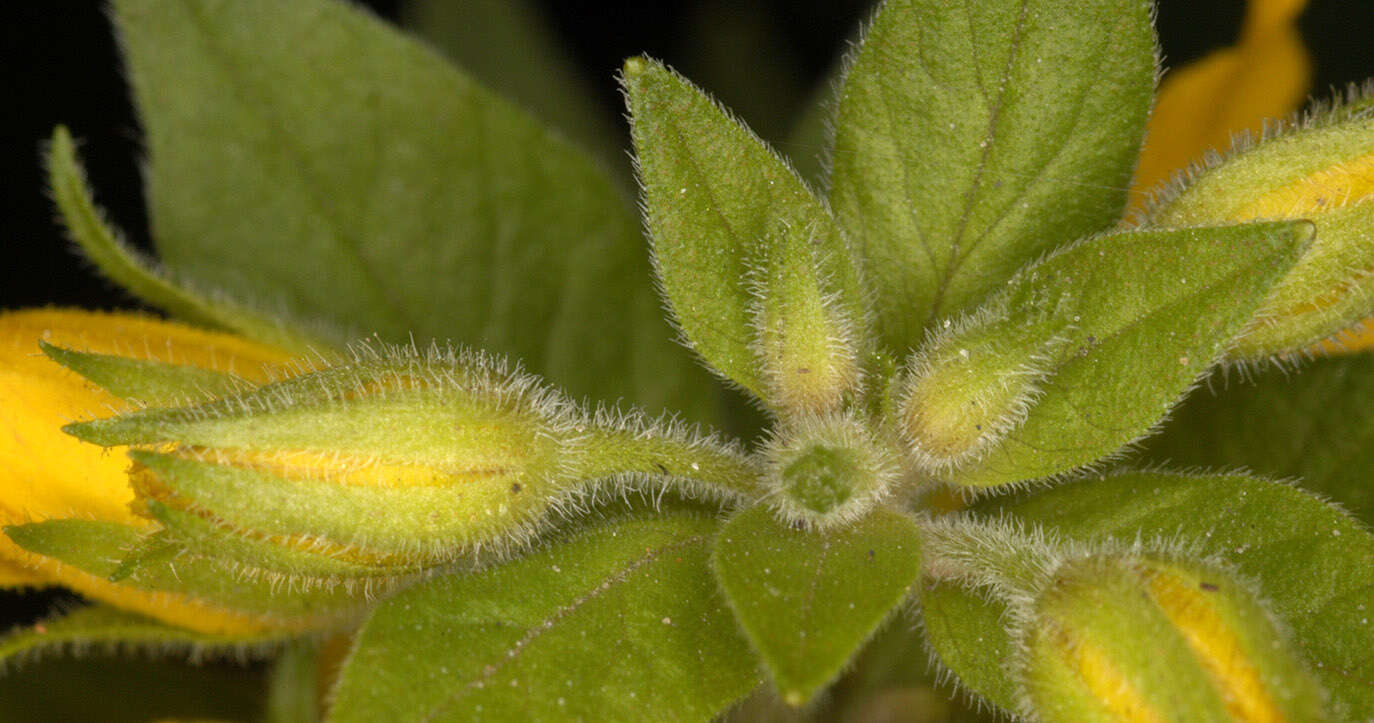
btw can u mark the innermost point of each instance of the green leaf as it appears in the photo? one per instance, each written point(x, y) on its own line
point(113, 631)
point(146, 381)
point(1311, 562)
point(976, 135)
point(1083, 351)
point(1313, 425)
point(733, 229)
point(809, 600)
point(96, 548)
point(895, 674)
point(305, 155)
point(620, 623)
point(967, 630)
point(510, 46)
point(142, 277)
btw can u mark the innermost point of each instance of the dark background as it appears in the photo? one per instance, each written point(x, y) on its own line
point(60, 66)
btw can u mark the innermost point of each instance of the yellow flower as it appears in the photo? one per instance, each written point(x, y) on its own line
point(48, 474)
point(1200, 107)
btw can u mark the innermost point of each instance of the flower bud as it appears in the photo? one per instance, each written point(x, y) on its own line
point(1324, 173)
point(827, 470)
point(1128, 638)
point(392, 461)
point(806, 335)
point(967, 390)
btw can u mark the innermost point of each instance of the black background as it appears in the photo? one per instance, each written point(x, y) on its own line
point(60, 66)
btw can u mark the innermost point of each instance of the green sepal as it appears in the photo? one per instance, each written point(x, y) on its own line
point(142, 277)
point(620, 622)
point(1321, 170)
point(428, 207)
point(973, 136)
point(111, 631)
point(291, 564)
point(146, 381)
point(1100, 338)
point(1309, 560)
point(807, 601)
point(400, 527)
point(96, 548)
point(739, 240)
point(1312, 425)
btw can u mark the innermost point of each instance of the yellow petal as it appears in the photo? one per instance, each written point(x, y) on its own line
point(171, 608)
point(1201, 106)
point(48, 474)
point(13, 575)
point(1360, 338)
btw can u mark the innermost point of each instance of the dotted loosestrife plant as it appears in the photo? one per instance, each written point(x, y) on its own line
point(1017, 443)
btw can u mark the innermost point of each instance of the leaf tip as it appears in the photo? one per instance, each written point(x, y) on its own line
point(634, 67)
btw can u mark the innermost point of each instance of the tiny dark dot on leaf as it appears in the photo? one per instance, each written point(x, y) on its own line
point(515, 488)
point(1209, 587)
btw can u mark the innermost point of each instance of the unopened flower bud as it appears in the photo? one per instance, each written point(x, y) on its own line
point(1323, 173)
point(806, 333)
point(828, 470)
point(965, 391)
point(389, 461)
point(1130, 637)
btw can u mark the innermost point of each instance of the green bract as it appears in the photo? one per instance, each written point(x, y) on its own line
point(508, 527)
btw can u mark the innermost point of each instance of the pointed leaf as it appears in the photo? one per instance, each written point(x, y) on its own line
point(621, 623)
point(1313, 425)
point(720, 205)
point(1083, 351)
point(808, 600)
point(99, 627)
point(1311, 562)
point(967, 632)
point(96, 548)
point(122, 264)
point(974, 136)
point(146, 381)
point(425, 205)
point(512, 48)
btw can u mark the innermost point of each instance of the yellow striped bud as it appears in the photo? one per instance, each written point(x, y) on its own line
point(1323, 173)
point(390, 463)
point(1117, 638)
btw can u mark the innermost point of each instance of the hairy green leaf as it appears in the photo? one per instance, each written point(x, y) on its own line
point(809, 600)
point(1311, 562)
point(96, 548)
point(511, 47)
point(109, 630)
point(736, 233)
point(425, 205)
point(146, 381)
point(1312, 424)
point(124, 265)
point(973, 136)
point(1083, 351)
point(967, 630)
point(620, 623)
